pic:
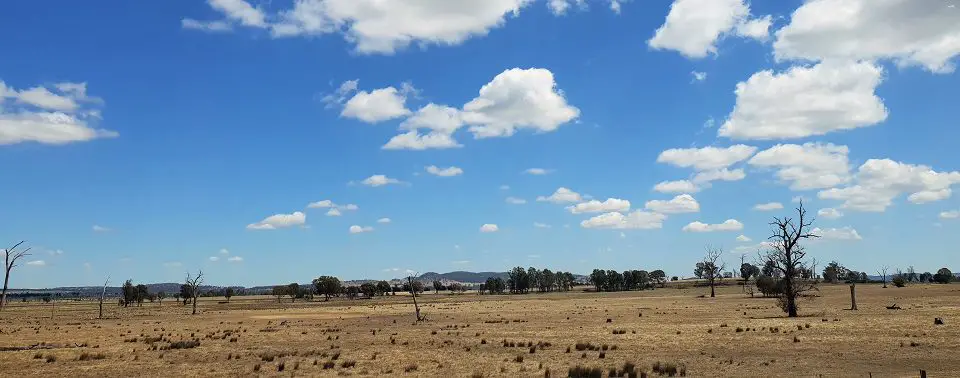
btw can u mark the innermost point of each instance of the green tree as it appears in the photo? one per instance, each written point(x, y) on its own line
point(368, 289)
point(327, 286)
point(943, 276)
point(383, 287)
point(437, 286)
point(599, 279)
point(659, 277)
point(227, 293)
point(129, 292)
point(748, 271)
point(279, 291)
point(293, 289)
point(142, 293)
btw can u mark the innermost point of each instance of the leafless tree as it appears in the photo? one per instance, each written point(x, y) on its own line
point(883, 273)
point(194, 284)
point(11, 256)
point(103, 293)
point(790, 259)
point(711, 267)
point(413, 292)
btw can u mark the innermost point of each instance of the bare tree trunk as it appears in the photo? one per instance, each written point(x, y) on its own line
point(853, 296)
point(414, 292)
point(194, 305)
point(712, 293)
point(103, 294)
point(3, 298)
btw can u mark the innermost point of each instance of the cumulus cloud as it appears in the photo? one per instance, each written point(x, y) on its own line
point(951, 214)
point(59, 114)
point(334, 213)
point(537, 171)
point(320, 204)
point(879, 181)
point(637, 219)
point(37, 263)
point(489, 228)
point(743, 239)
point(413, 140)
point(515, 201)
point(562, 195)
point(769, 206)
point(594, 206)
point(518, 99)
point(927, 33)
point(444, 172)
point(376, 106)
point(829, 213)
point(380, 180)
point(235, 259)
point(693, 27)
point(279, 221)
point(98, 228)
point(384, 220)
point(719, 174)
point(807, 166)
point(845, 233)
point(214, 258)
point(706, 158)
point(683, 203)
point(680, 186)
point(806, 101)
point(727, 225)
point(438, 122)
point(355, 229)
point(698, 76)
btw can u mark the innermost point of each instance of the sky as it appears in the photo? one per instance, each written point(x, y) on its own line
point(276, 141)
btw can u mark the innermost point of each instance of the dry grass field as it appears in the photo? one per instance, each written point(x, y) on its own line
point(469, 335)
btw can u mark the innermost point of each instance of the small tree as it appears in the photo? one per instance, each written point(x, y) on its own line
point(292, 290)
point(327, 286)
point(789, 258)
point(129, 293)
point(437, 285)
point(883, 274)
point(194, 284)
point(279, 291)
point(10, 257)
point(659, 276)
point(943, 276)
point(227, 293)
point(160, 296)
point(142, 293)
point(711, 268)
point(383, 287)
point(599, 279)
point(368, 289)
point(748, 271)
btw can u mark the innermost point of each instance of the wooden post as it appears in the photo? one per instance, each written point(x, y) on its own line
point(853, 295)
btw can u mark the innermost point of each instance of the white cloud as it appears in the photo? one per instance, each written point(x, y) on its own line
point(171, 264)
point(909, 32)
point(537, 171)
point(56, 117)
point(342, 94)
point(440, 121)
point(224, 251)
point(743, 239)
point(97, 228)
point(807, 166)
point(594, 206)
point(634, 220)
point(719, 174)
point(518, 99)
point(489, 228)
point(214, 258)
point(562, 195)
point(444, 172)
point(379, 180)
point(707, 158)
point(753, 248)
point(279, 221)
point(37, 263)
point(207, 26)
point(698, 76)
point(769, 206)
point(680, 186)
point(379, 105)
point(693, 27)
point(829, 213)
point(683, 203)
point(541, 225)
point(806, 101)
point(727, 225)
point(879, 181)
point(358, 230)
point(952, 214)
point(515, 201)
point(334, 213)
point(415, 141)
point(796, 199)
point(460, 262)
point(235, 259)
point(845, 233)
point(320, 204)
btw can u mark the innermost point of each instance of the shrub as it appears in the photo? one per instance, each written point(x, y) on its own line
point(899, 281)
point(518, 359)
point(410, 368)
point(348, 364)
point(669, 369)
point(584, 372)
point(51, 358)
point(184, 344)
point(85, 356)
point(329, 365)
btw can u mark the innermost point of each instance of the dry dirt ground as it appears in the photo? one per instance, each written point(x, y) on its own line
point(517, 335)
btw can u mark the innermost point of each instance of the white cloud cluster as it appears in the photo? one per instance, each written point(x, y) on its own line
point(60, 114)
point(355, 229)
point(845, 233)
point(950, 214)
point(380, 180)
point(806, 101)
point(562, 195)
point(679, 186)
point(829, 213)
point(444, 172)
point(879, 181)
point(515, 201)
point(488, 227)
point(808, 166)
point(636, 219)
point(693, 27)
point(594, 206)
point(384, 220)
point(439, 121)
point(376, 106)
point(926, 33)
point(709, 163)
point(769, 206)
point(683, 203)
point(279, 221)
point(727, 225)
point(743, 239)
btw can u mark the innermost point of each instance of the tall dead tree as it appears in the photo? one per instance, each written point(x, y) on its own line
point(413, 292)
point(710, 269)
point(103, 293)
point(788, 257)
point(883, 273)
point(194, 284)
point(10, 255)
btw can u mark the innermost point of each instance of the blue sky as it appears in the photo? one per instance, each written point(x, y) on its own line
point(145, 139)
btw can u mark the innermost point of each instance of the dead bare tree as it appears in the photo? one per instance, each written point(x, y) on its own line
point(103, 293)
point(883, 273)
point(194, 284)
point(710, 269)
point(11, 256)
point(416, 306)
point(789, 258)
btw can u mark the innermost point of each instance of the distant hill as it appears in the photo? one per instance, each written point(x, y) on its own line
point(461, 276)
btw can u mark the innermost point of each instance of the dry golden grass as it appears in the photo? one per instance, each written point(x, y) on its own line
point(466, 335)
